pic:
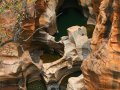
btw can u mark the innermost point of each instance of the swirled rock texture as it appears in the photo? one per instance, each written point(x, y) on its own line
point(101, 69)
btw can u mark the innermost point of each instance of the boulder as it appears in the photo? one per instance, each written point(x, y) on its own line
point(76, 83)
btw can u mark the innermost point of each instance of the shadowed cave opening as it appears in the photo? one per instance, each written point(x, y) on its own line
point(70, 13)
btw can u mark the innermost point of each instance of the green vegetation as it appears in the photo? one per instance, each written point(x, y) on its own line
point(11, 5)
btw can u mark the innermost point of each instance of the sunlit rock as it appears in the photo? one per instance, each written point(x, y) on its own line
point(49, 16)
point(76, 83)
point(101, 68)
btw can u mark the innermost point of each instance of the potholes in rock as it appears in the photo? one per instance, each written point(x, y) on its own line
point(50, 56)
point(43, 52)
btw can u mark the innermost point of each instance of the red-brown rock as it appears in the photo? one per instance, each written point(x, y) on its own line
point(101, 69)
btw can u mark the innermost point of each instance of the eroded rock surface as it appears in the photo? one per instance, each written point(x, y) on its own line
point(74, 52)
point(38, 17)
point(15, 59)
point(101, 68)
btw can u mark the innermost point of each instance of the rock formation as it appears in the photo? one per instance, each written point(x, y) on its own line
point(16, 32)
point(26, 22)
point(101, 68)
point(74, 53)
point(48, 17)
point(76, 83)
point(27, 29)
point(89, 11)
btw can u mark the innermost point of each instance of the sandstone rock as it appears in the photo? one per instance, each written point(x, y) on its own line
point(101, 68)
point(90, 14)
point(82, 48)
point(87, 3)
point(11, 64)
point(96, 4)
point(74, 52)
point(76, 83)
point(100, 26)
point(49, 17)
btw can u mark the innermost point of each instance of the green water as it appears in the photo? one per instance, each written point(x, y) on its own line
point(72, 14)
point(70, 17)
point(36, 85)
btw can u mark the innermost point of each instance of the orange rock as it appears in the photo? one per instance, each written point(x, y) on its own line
point(101, 69)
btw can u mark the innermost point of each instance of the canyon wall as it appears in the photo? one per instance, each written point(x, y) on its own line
point(101, 68)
